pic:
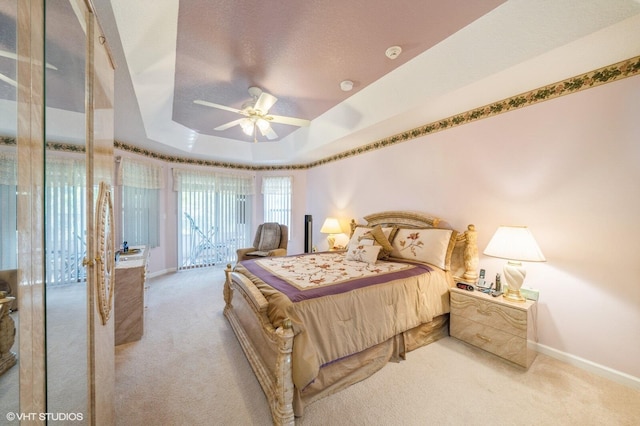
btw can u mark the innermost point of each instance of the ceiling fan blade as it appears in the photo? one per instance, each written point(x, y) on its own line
point(229, 124)
point(269, 133)
point(264, 102)
point(212, 105)
point(8, 80)
point(300, 122)
point(12, 55)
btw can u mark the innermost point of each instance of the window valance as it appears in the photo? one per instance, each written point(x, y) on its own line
point(61, 171)
point(276, 184)
point(8, 169)
point(139, 174)
point(199, 180)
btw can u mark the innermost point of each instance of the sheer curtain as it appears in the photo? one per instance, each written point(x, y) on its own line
point(8, 219)
point(141, 182)
point(214, 212)
point(65, 219)
point(276, 194)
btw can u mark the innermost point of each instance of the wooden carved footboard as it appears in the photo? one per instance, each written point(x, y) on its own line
point(269, 349)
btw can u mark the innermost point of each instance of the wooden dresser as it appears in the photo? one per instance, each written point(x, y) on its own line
point(494, 324)
point(129, 296)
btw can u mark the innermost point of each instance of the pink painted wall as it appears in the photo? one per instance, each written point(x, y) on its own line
point(568, 168)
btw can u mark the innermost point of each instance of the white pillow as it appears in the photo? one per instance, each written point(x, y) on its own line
point(423, 245)
point(363, 253)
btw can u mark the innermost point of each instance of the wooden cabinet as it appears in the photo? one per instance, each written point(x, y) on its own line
point(494, 324)
point(7, 334)
point(129, 296)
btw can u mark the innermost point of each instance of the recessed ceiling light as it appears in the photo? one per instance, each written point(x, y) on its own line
point(393, 52)
point(346, 85)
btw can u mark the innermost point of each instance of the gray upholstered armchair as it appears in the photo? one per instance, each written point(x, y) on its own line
point(271, 240)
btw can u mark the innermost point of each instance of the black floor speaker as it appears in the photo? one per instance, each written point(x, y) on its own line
point(308, 233)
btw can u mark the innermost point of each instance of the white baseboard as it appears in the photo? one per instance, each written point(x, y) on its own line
point(171, 270)
point(600, 370)
point(163, 272)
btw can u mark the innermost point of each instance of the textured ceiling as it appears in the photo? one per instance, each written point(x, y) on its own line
point(297, 51)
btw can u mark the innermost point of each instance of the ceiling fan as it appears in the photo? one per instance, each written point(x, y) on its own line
point(256, 115)
point(12, 55)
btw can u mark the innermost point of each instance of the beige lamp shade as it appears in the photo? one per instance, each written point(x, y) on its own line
point(331, 226)
point(516, 244)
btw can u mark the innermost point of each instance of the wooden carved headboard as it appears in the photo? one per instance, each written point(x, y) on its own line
point(464, 259)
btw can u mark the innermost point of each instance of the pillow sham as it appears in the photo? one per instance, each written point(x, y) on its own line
point(379, 238)
point(363, 253)
point(429, 245)
point(360, 230)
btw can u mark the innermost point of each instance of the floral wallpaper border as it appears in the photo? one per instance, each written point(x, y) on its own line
point(608, 74)
point(53, 146)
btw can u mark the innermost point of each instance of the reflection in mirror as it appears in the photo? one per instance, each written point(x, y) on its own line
point(9, 370)
point(65, 209)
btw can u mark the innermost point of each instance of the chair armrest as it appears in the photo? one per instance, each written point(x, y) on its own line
point(278, 252)
point(241, 253)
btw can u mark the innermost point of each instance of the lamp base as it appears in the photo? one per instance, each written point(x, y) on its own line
point(331, 239)
point(513, 295)
point(514, 274)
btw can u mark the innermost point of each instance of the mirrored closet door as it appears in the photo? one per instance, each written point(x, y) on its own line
point(9, 316)
point(56, 157)
point(65, 203)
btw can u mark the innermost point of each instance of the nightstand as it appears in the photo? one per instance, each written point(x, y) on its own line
point(494, 324)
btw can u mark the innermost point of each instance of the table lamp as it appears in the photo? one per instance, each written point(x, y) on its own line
point(332, 227)
point(516, 244)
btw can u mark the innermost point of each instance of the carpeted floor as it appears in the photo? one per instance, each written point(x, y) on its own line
point(66, 317)
point(189, 369)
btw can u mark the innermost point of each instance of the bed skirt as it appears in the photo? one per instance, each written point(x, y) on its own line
point(343, 373)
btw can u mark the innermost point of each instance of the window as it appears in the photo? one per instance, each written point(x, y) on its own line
point(141, 183)
point(8, 219)
point(214, 216)
point(65, 220)
point(276, 194)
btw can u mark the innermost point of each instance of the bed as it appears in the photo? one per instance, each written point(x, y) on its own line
point(313, 324)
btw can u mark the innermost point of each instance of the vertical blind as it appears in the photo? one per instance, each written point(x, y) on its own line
point(141, 183)
point(276, 194)
point(8, 218)
point(65, 220)
point(214, 212)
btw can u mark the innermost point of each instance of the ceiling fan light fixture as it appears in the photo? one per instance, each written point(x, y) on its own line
point(247, 126)
point(262, 124)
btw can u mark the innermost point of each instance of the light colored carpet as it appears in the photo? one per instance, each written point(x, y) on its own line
point(66, 317)
point(190, 370)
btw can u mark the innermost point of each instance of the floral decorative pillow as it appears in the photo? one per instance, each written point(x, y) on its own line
point(433, 246)
point(363, 253)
